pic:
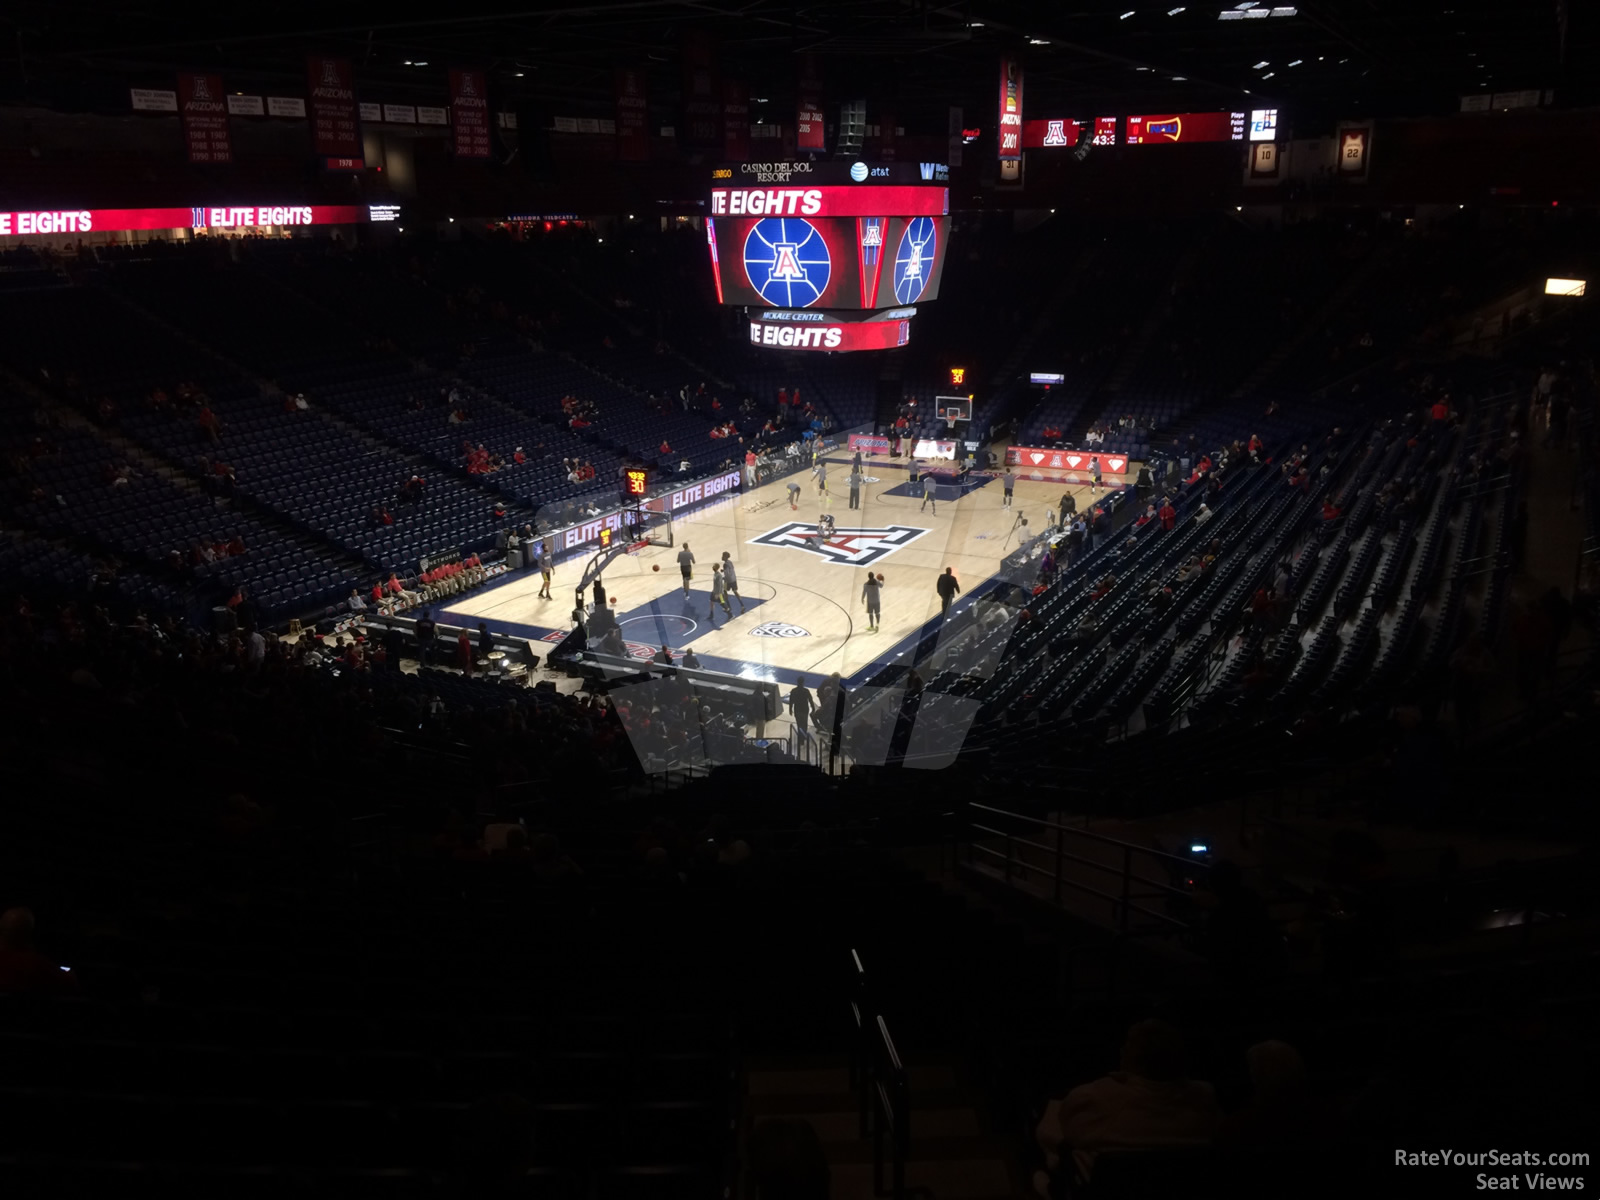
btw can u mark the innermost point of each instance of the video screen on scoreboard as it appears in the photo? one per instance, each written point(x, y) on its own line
point(835, 262)
point(1166, 128)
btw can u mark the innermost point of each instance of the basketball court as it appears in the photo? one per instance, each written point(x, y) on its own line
point(803, 610)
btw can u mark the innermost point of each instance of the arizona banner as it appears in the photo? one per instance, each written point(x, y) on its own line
point(1010, 126)
point(633, 116)
point(702, 107)
point(335, 117)
point(735, 120)
point(204, 110)
point(809, 128)
point(469, 111)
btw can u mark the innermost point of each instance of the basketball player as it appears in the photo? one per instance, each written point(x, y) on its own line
point(544, 576)
point(794, 496)
point(1009, 482)
point(719, 595)
point(686, 565)
point(730, 577)
point(1094, 474)
point(821, 472)
point(825, 526)
point(871, 592)
point(930, 494)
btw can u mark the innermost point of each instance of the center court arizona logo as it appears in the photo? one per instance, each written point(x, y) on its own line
point(848, 547)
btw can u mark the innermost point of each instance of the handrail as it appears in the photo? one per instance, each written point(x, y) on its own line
point(883, 1087)
point(1093, 837)
point(1124, 901)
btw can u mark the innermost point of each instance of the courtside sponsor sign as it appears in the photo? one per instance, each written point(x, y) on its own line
point(1065, 460)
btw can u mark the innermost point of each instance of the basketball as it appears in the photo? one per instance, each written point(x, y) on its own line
point(657, 567)
point(880, 577)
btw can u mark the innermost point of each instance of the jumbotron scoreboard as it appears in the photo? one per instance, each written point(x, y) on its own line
point(830, 256)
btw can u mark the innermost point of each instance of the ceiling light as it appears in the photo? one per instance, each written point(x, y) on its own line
point(408, 62)
point(1172, 12)
point(519, 74)
point(1142, 68)
point(1258, 12)
point(419, 64)
point(1297, 62)
point(1180, 79)
point(1229, 14)
point(1126, 15)
point(974, 24)
point(1268, 75)
point(1246, 7)
point(1285, 10)
point(1037, 42)
point(1259, 65)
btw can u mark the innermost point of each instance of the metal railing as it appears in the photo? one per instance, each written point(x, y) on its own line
point(883, 1086)
point(1064, 869)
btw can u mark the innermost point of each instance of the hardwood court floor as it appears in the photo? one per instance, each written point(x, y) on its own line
point(804, 608)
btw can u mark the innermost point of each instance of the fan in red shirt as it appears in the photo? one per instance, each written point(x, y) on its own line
point(518, 456)
point(665, 448)
point(1441, 409)
point(1330, 511)
point(1168, 515)
point(377, 593)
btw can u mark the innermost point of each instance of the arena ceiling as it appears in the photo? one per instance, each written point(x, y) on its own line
point(1321, 60)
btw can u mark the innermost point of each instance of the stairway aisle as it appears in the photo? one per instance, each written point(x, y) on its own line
point(952, 1158)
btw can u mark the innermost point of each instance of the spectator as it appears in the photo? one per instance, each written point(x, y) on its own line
point(1148, 1102)
point(1168, 515)
point(948, 589)
point(355, 603)
point(426, 632)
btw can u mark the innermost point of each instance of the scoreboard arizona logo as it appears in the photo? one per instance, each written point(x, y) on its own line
point(914, 259)
point(786, 260)
point(850, 548)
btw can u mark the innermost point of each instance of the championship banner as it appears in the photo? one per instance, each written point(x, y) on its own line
point(633, 116)
point(335, 117)
point(204, 111)
point(1010, 125)
point(701, 128)
point(469, 107)
point(1082, 461)
point(809, 122)
point(735, 120)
